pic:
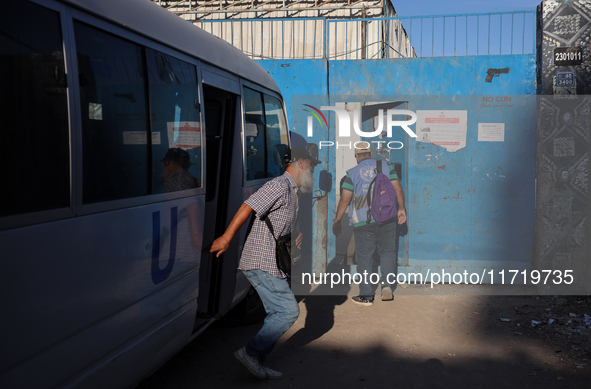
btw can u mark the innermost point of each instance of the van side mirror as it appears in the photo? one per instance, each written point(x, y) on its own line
point(325, 181)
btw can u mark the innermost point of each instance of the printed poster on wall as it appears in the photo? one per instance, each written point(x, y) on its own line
point(491, 132)
point(447, 129)
point(184, 135)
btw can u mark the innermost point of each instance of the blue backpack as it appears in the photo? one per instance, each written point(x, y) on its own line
point(382, 198)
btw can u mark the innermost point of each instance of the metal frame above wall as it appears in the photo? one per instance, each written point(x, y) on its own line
point(380, 37)
point(345, 29)
point(287, 29)
point(241, 9)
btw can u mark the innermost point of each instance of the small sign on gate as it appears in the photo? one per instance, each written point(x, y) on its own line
point(565, 79)
point(568, 56)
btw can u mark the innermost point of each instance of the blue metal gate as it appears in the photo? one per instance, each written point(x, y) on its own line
point(469, 208)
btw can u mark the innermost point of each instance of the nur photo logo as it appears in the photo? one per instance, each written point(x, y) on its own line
point(384, 123)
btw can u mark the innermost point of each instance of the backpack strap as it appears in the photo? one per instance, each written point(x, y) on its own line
point(268, 222)
point(371, 189)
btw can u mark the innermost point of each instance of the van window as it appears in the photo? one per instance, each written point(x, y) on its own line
point(114, 116)
point(276, 127)
point(175, 124)
point(126, 151)
point(34, 134)
point(265, 131)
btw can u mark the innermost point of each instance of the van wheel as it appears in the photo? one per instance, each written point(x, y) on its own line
point(249, 311)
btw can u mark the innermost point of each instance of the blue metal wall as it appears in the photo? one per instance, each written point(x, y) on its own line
point(470, 209)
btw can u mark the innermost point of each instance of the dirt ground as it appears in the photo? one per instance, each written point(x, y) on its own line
point(416, 341)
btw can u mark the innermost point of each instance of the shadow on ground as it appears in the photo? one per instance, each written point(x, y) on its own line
point(413, 342)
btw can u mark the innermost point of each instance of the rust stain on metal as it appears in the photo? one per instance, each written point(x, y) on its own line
point(427, 195)
point(442, 167)
point(458, 197)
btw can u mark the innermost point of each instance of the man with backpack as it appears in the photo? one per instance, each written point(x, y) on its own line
point(375, 210)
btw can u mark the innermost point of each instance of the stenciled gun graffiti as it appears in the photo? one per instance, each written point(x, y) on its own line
point(495, 73)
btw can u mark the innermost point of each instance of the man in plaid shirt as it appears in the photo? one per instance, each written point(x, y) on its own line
point(278, 200)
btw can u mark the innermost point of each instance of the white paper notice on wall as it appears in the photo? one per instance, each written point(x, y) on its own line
point(491, 132)
point(447, 129)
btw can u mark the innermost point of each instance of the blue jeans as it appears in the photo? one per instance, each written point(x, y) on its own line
point(282, 311)
point(368, 239)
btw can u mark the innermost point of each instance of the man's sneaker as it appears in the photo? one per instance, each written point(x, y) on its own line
point(252, 364)
point(387, 294)
point(362, 301)
point(272, 373)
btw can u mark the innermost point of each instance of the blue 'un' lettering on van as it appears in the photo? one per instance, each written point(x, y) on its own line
point(158, 274)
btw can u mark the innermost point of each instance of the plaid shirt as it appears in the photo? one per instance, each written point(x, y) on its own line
point(277, 198)
point(180, 180)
